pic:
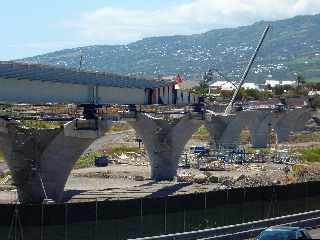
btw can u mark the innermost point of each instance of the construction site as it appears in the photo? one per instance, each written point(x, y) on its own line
point(80, 151)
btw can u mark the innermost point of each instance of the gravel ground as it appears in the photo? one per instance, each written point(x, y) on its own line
point(126, 181)
point(3, 166)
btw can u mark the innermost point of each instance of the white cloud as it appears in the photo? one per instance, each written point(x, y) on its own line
point(120, 25)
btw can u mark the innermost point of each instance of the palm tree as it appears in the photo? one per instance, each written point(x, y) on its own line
point(300, 80)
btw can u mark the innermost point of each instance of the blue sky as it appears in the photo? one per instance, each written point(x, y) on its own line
point(35, 27)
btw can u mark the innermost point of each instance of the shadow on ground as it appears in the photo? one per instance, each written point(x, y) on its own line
point(168, 190)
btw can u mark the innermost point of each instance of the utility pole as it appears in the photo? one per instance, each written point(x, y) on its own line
point(81, 60)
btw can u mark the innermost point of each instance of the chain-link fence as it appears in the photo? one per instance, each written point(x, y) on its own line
point(154, 216)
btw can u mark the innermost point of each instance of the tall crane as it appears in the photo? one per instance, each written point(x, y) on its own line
point(245, 74)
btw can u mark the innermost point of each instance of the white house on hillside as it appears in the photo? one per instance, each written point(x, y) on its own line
point(284, 83)
point(289, 83)
point(222, 86)
point(251, 86)
point(272, 83)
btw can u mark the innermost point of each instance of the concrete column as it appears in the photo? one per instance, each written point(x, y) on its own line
point(285, 122)
point(259, 124)
point(224, 130)
point(300, 124)
point(44, 154)
point(164, 141)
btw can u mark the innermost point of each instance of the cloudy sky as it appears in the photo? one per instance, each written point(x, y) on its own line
point(38, 26)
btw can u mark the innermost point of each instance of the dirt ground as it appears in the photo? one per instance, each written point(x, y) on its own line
point(126, 181)
point(128, 177)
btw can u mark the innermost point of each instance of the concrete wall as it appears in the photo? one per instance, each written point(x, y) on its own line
point(26, 91)
point(121, 95)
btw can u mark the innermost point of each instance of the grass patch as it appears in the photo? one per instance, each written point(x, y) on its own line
point(5, 174)
point(251, 150)
point(119, 127)
point(201, 134)
point(245, 137)
point(313, 80)
point(87, 160)
point(1, 156)
point(305, 137)
point(121, 150)
point(310, 155)
point(41, 124)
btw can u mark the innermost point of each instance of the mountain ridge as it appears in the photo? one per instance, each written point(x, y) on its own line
point(292, 47)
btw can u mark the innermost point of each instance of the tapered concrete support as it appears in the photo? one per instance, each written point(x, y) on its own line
point(224, 130)
point(260, 126)
point(47, 155)
point(285, 123)
point(164, 142)
point(301, 122)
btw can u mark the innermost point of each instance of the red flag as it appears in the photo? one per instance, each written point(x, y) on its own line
point(179, 79)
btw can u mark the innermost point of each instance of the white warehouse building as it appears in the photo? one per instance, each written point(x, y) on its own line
point(34, 83)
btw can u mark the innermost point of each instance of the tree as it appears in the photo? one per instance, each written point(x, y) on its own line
point(202, 89)
point(300, 80)
point(278, 90)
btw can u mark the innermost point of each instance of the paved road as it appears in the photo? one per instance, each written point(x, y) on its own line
point(315, 233)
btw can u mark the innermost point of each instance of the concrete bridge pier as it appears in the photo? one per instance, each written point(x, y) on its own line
point(224, 130)
point(285, 123)
point(164, 141)
point(41, 159)
point(260, 126)
point(300, 124)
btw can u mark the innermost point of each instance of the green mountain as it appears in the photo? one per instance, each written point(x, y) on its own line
point(292, 46)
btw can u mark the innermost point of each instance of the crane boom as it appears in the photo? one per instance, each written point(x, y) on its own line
point(245, 74)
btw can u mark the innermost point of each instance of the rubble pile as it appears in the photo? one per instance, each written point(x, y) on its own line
point(306, 173)
point(131, 158)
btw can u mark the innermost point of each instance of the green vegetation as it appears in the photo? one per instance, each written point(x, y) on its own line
point(87, 160)
point(252, 94)
point(202, 89)
point(119, 127)
point(289, 43)
point(316, 102)
point(1, 156)
point(314, 80)
point(310, 155)
point(5, 174)
point(41, 124)
point(305, 137)
point(245, 136)
point(201, 134)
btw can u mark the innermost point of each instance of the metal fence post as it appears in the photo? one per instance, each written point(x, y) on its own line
point(165, 216)
point(141, 217)
point(42, 226)
point(66, 221)
point(96, 222)
point(184, 219)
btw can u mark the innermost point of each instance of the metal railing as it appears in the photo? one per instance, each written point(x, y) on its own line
point(244, 230)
